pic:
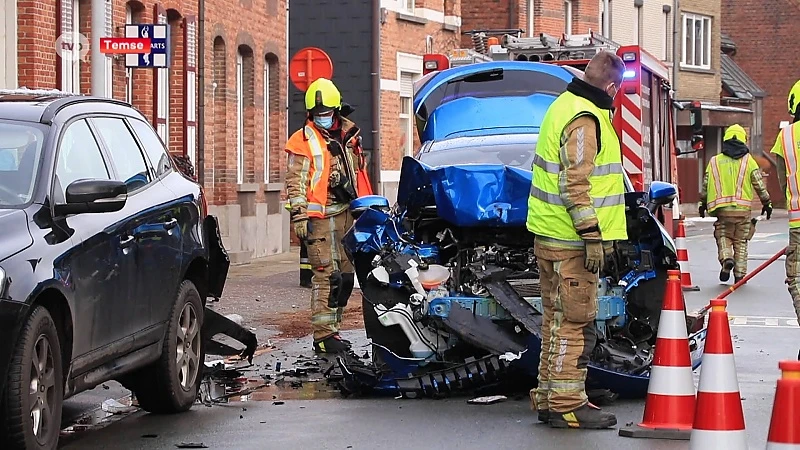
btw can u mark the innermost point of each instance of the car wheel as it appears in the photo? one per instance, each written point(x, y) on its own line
point(31, 407)
point(171, 384)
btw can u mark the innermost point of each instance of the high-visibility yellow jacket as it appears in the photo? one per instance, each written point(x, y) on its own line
point(787, 146)
point(557, 206)
point(730, 182)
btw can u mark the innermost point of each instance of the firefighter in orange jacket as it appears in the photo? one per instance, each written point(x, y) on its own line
point(320, 184)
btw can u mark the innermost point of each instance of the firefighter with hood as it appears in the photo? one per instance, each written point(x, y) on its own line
point(727, 194)
point(320, 184)
point(787, 152)
point(576, 210)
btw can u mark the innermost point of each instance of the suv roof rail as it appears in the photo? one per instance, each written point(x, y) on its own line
point(36, 92)
point(57, 105)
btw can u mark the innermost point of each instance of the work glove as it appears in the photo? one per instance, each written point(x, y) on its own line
point(701, 209)
point(301, 229)
point(767, 209)
point(594, 255)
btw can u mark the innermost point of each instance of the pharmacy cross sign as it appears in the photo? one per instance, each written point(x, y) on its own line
point(144, 45)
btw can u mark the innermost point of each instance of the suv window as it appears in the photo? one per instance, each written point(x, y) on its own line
point(79, 158)
point(124, 151)
point(153, 146)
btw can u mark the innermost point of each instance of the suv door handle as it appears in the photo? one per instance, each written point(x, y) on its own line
point(171, 224)
point(126, 242)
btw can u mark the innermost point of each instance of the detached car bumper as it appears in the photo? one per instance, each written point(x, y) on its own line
point(218, 260)
point(11, 314)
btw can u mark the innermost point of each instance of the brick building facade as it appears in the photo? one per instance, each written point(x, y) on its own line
point(246, 123)
point(408, 31)
point(769, 62)
point(238, 163)
point(552, 17)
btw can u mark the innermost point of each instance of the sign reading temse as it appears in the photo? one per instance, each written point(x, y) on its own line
point(124, 45)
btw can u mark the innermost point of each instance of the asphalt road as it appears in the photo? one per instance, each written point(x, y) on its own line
point(764, 331)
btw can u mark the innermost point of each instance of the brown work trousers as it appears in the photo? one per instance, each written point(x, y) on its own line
point(793, 268)
point(330, 266)
point(732, 231)
point(569, 334)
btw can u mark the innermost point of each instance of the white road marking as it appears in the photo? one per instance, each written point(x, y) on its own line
point(763, 322)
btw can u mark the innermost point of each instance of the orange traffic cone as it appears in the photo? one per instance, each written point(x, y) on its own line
point(669, 409)
point(683, 259)
point(784, 434)
point(718, 415)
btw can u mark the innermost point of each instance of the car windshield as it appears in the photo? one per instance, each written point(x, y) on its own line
point(516, 150)
point(507, 150)
point(20, 153)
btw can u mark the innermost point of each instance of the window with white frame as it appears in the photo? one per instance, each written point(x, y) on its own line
point(239, 118)
point(665, 40)
point(696, 41)
point(406, 117)
point(530, 18)
point(568, 17)
point(128, 70)
point(71, 82)
point(407, 5)
point(266, 120)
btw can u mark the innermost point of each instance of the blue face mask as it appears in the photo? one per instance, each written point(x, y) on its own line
point(325, 122)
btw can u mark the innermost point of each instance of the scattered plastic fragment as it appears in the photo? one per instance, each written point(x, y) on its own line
point(489, 400)
point(191, 445)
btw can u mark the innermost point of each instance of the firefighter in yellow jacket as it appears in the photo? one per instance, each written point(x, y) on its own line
point(787, 152)
point(320, 184)
point(576, 209)
point(727, 194)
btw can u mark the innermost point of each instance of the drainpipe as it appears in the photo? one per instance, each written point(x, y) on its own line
point(606, 19)
point(676, 4)
point(201, 87)
point(98, 63)
point(376, 94)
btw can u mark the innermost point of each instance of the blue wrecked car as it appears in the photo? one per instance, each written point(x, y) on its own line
point(451, 293)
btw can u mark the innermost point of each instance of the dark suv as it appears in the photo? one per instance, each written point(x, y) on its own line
point(107, 257)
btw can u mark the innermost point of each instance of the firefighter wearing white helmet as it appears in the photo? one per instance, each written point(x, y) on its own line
point(320, 184)
point(787, 151)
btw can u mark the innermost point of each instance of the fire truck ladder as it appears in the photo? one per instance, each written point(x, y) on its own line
point(549, 48)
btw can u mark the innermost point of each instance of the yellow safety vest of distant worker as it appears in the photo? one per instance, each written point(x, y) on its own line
point(729, 177)
point(547, 213)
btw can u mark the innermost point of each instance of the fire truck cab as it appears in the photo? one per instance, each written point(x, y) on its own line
point(644, 108)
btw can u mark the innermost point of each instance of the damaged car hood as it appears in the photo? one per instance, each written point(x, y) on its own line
point(467, 195)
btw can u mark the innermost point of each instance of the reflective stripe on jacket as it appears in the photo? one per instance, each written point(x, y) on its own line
point(547, 212)
point(309, 143)
point(729, 182)
point(787, 146)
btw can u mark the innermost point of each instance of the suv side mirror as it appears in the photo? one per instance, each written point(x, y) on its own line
point(94, 196)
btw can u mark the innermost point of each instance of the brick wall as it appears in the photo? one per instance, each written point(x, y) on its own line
point(766, 58)
point(698, 84)
point(654, 33)
point(548, 16)
point(405, 34)
point(39, 65)
point(261, 40)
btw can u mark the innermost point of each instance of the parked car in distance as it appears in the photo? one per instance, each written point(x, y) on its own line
point(107, 256)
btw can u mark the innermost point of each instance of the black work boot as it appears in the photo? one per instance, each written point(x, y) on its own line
point(587, 417)
point(344, 341)
point(725, 273)
point(331, 344)
point(544, 415)
point(738, 279)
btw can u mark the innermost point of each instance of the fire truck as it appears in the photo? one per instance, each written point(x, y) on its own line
point(644, 108)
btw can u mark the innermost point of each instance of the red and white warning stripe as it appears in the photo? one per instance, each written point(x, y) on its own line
point(631, 132)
